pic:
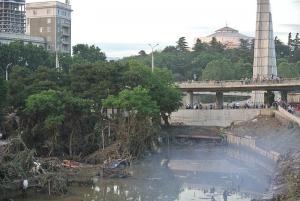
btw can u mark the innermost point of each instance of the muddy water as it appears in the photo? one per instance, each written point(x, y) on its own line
point(193, 172)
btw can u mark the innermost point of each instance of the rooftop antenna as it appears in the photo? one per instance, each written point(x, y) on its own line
point(68, 2)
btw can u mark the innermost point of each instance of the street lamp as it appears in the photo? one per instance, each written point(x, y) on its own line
point(152, 48)
point(6, 71)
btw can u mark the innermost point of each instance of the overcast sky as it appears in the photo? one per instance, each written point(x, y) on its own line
point(123, 27)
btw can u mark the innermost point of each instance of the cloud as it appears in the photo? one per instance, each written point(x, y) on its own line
point(291, 27)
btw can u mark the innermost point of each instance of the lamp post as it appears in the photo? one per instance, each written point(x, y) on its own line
point(6, 71)
point(152, 48)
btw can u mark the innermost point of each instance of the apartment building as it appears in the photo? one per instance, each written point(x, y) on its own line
point(51, 20)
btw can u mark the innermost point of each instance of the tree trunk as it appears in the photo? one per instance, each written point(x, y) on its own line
point(70, 144)
point(166, 119)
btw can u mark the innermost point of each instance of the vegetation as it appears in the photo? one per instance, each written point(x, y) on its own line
point(213, 61)
point(63, 111)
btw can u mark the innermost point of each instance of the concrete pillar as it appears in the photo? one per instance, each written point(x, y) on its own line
point(190, 98)
point(219, 100)
point(284, 96)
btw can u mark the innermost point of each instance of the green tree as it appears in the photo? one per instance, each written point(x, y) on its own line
point(96, 81)
point(282, 50)
point(218, 70)
point(288, 70)
point(19, 87)
point(182, 45)
point(136, 101)
point(3, 91)
point(44, 114)
point(200, 46)
point(88, 53)
point(215, 45)
point(160, 85)
point(135, 127)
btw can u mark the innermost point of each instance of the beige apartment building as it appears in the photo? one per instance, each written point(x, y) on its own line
point(51, 20)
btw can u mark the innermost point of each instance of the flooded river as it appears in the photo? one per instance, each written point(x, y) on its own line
point(182, 173)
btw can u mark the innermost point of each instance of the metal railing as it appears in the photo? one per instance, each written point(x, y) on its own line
point(241, 82)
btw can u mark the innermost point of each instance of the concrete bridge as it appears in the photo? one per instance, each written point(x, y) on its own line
point(283, 85)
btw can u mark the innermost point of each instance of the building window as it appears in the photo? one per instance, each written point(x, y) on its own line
point(48, 29)
point(49, 20)
point(34, 12)
point(48, 11)
point(41, 29)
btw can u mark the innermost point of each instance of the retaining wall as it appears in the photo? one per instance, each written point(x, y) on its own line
point(282, 113)
point(249, 142)
point(219, 118)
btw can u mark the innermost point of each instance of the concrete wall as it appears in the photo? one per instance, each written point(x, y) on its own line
point(251, 144)
point(221, 118)
point(282, 113)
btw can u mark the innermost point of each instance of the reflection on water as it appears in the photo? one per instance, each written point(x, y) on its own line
point(183, 173)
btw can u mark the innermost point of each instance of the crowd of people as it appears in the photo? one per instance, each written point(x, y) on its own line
point(233, 105)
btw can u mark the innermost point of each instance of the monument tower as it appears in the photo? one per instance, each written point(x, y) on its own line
point(264, 65)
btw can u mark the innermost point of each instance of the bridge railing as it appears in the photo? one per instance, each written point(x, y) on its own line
point(243, 82)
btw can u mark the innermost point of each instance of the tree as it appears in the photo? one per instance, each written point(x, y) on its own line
point(218, 70)
point(199, 46)
point(288, 70)
point(142, 53)
point(282, 50)
point(96, 81)
point(45, 114)
point(136, 101)
point(3, 91)
point(170, 49)
point(135, 127)
point(27, 55)
point(19, 87)
point(216, 45)
point(88, 53)
point(78, 121)
point(160, 85)
point(182, 45)
point(244, 44)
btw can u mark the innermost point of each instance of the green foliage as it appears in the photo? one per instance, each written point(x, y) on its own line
point(136, 100)
point(160, 85)
point(182, 45)
point(3, 91)
point(88, 53)
point(218, 70)
point(186, 65)
point(18, 53)
point(289, 70)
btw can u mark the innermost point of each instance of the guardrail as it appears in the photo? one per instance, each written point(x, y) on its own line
point(242, 82)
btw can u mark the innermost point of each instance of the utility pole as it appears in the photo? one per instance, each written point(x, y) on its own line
point(6, 71)
point(152, 52)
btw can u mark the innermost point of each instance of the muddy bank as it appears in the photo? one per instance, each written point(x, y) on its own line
point(283, 137)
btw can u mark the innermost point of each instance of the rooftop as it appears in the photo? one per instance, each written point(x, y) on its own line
point(48, 4)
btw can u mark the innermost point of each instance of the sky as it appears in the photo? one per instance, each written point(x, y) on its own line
point(124, 27)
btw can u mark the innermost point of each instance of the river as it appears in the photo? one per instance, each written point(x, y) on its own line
point(195, 171)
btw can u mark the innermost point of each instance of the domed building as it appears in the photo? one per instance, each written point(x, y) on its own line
point(229, 37)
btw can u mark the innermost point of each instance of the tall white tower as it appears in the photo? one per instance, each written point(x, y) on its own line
point(264, 65)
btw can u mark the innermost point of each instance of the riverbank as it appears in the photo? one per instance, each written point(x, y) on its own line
point(282, 136)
